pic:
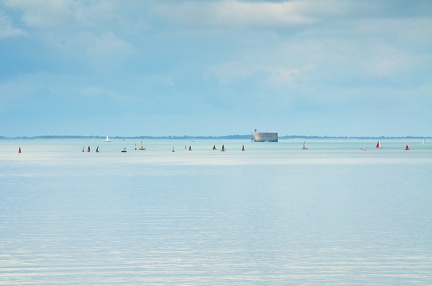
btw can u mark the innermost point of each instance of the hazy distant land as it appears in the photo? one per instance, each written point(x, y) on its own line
point(248, 137)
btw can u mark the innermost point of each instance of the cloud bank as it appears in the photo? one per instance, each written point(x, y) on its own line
point(248, 64)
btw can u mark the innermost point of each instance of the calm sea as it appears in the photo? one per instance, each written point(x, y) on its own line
point(272, 215)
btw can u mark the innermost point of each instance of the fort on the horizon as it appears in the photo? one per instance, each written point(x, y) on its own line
point(265, 136)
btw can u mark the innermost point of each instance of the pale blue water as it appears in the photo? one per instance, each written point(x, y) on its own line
point(272, 215)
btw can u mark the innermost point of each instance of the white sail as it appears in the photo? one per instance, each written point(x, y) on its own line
point(107, 139)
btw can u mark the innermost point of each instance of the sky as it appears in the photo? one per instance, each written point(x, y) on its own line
point(213, 68)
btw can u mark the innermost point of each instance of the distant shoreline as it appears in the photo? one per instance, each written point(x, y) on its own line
point(225, 137)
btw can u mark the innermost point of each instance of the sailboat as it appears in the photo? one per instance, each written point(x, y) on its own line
point(214, 147)
point(124, 150)
point(423, 141)
point(19, 149)
point(243, 148)
point(83, 149)
point(173, 150)
point(97, 149)
point(135, 146)
point(223, 148)
point(378, 145)
point(406, 147)
point(107, 139)
point(141, 146)
point(304, 146)
point(190, 148)
point(88, 149)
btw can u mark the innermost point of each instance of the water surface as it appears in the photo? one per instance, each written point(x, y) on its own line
point(272, 215)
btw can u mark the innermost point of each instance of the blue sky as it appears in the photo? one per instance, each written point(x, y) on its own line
point(313, 67)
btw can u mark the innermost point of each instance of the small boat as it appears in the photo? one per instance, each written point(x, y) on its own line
point(124, 150)
point(141, 146)
point(19, 149)
point(304, 146)
point(97, 149)
point(243, 148)
point(363, 149)
point(223, 148)
point(88, 149)
point(378, 145)
point(107, 139)
point(214, 147)
point(173, 150)
point(406, 147)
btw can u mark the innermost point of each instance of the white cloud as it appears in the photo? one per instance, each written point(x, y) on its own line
point(226, 14)
point(7, 30)
point(94, 13)
point(43, 13)
point(61, 14)
point(81, 31)
point(272, 75)
point(107, 45)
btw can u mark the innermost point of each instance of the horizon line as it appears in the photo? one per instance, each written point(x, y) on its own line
point(233, 136)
